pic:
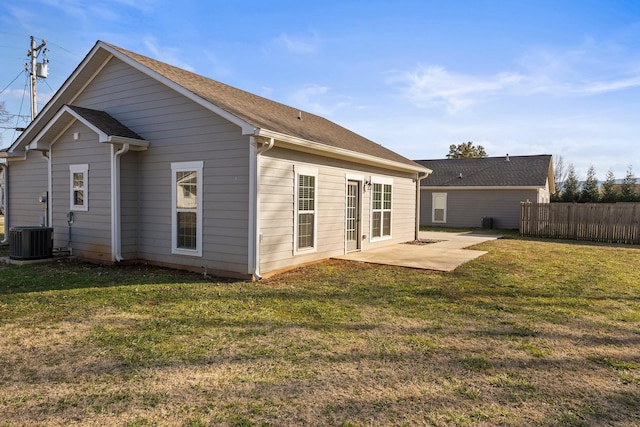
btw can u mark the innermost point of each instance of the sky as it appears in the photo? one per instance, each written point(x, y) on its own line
point(515, 76)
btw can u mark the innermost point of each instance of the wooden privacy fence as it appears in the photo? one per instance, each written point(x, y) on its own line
point(597, 222)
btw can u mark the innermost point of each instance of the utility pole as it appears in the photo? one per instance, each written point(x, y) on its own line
point(34, 73)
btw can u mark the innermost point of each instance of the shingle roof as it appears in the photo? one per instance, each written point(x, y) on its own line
point(518, 171)
point(104, 122)
point(266, 114)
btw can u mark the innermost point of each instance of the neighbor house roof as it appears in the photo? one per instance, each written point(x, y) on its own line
point(507, 171)
point(255, 114)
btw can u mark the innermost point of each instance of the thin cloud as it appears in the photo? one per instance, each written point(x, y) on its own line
point(435, 85)
point(317, 99)
point(15, 93)
point(84, 9)
point(589, 69)
point(166, 54)
point(298, 45)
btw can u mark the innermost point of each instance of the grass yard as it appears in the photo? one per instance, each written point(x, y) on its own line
point(533, 333)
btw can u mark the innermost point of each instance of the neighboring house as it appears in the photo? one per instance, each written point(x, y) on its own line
point(145, 161)
point(461, 192)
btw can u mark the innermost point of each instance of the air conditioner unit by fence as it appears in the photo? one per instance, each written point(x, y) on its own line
point(30, 242)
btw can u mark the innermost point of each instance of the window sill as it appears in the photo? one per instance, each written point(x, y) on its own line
point(305, 251)
point(187, 252)
point(380, 239)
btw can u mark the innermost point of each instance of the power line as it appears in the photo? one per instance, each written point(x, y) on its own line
point(15, 129)
point(2, 91)
point(66, 50)
point(47, 83)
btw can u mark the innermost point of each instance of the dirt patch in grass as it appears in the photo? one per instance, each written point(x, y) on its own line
point(423, 242)
point(533, 333)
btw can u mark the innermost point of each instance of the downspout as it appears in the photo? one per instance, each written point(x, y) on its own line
point(420, 177)
point(116, 243)
point(256, 209)
point(5, 166)
point(48, 218)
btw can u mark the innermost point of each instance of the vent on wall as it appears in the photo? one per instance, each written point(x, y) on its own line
point(30, 242)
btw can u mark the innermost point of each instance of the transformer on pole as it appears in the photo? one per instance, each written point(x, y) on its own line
point(38, 69)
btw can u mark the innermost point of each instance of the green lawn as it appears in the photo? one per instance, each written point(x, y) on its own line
point(532, 333)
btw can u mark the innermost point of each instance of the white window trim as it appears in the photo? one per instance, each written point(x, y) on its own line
point(383, 181)
point(186, 167)
point(310, 171)
point(84, 169)
point(433, 208)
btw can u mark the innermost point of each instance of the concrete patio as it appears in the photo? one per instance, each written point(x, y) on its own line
point(446, 254)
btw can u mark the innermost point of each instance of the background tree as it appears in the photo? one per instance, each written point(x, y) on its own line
point(4, 116)
point(466, 150)
point(628, 188)
point(590, 192)
point(570, 189)
point(559, 176)
point(609, 190)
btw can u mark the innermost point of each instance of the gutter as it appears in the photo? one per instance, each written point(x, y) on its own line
point(481, 187)
point(254, 240)
point(420, 177)
point(116, 223)
point(308, 146)
point(49, 216)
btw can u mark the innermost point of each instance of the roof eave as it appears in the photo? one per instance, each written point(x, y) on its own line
point(304, 145)
point(56, 97)
point(482, 187)
point(247, 128)
point(13, 155)
point(134, 144)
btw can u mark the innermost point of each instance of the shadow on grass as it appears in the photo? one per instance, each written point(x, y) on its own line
point(332, 314)
point(65, 274)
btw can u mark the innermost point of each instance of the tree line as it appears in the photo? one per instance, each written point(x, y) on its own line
point(570, 189)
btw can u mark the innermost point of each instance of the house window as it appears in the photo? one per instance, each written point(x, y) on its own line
point(79, 187)
point(381, 196)
point(306, 205)
point(439, 203)
point(186, 199)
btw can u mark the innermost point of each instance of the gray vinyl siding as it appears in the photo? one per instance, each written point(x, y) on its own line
point(129, 195)
point(277, 208)
point(466, 208)
point(27, 182)
point(91, 230)
point(178, 130)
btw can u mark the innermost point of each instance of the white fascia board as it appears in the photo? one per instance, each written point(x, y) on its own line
point(56, 96)
point(445, 188)
point(338, 153)
point(39, 145)
point(102, 137)
point(13, 155)
point(246, 127)
point(36, 144)
point(134, 144)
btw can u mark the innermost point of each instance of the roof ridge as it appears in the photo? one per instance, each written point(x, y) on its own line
point(132, 55)
point(264, 113)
